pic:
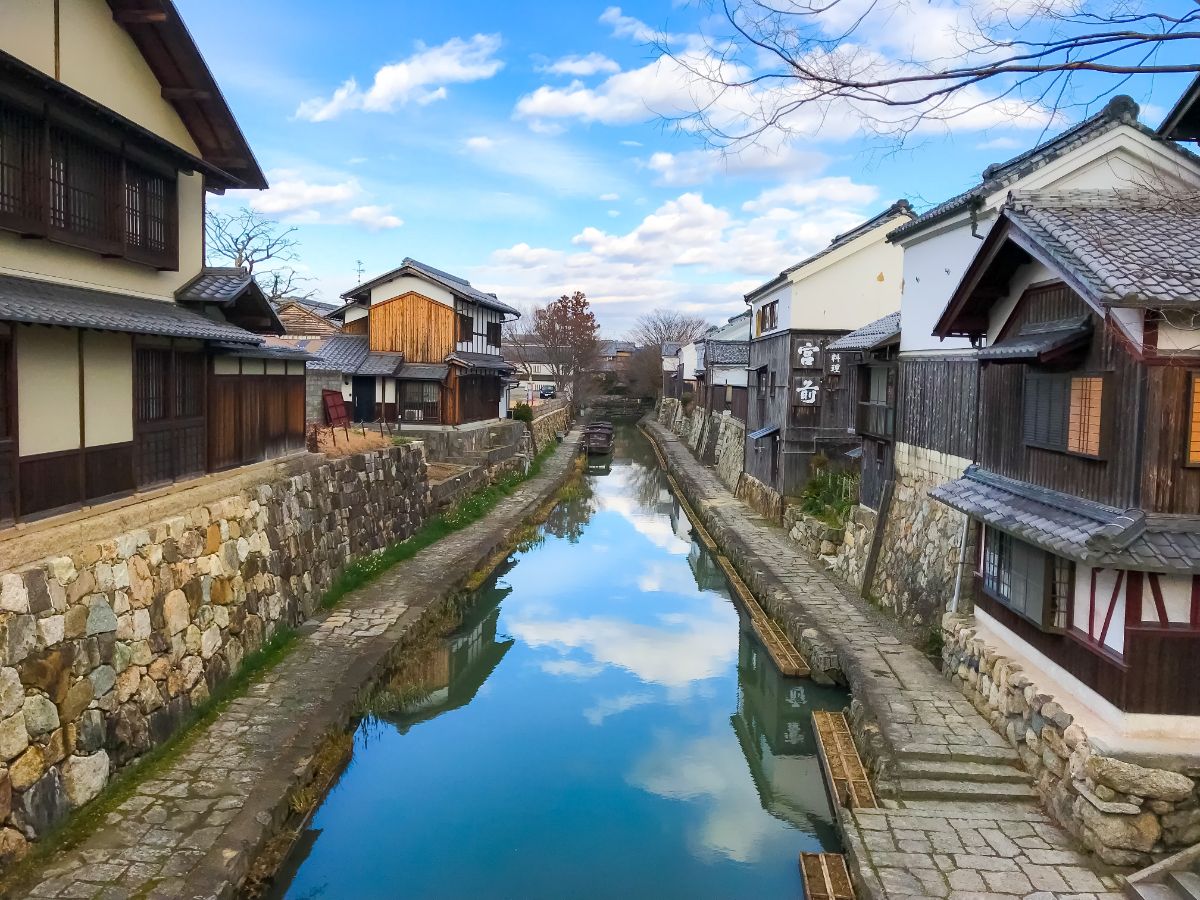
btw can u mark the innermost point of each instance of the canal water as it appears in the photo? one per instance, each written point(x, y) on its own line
point(599, 722)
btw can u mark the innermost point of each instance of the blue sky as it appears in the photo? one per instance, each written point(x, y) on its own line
point(524, 146)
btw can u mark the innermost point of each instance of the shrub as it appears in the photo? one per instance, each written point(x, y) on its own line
point(829, 495)
point(523, 412)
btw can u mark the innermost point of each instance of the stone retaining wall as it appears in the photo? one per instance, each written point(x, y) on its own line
point(1127, 814)
point(764, 500)
point(104, 652)
point(850, 560)
point(817, 537)
point(918, 556)
point(547, 425)
point(718, 440)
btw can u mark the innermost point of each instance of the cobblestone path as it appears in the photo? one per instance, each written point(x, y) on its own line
point(193, 831)
point(963, 820)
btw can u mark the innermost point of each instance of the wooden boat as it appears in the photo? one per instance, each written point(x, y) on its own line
point(598, 438)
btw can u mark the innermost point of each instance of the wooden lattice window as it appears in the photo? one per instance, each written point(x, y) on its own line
point(1083, 423)
point(149, 213)
point(464, 327)
point(152, 382)
point(1193, 447)
point(83, 189)
point(20, 140)
point(189, 385)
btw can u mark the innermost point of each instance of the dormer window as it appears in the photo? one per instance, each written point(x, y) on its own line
point(1064, 412)
point(60, 185)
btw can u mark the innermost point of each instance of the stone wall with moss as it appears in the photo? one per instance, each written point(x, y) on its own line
point(1126, 813)
point(104, 652)
point(548, 423)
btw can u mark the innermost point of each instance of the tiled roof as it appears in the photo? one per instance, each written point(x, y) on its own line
point(481, 361)
point(264, 351)
point(340, 353)
point(1076, 528)
point(869, 336)
point(424, 372)
point(611, 348)
point(899, 208)
point(44, 303)
point(727, 353)
point(1036, 340)
point(215, 285)
point(1119, 110)
point(1183, 121)
point(1118, 249)
point(670, 348)
point(377, 363)
point(452, 283)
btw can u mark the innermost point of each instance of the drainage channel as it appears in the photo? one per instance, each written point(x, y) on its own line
point(599, 717)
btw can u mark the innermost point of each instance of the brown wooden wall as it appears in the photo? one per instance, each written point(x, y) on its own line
point(938, 404)
point(1168, 484)
point(299, 320)
point(1112, 479)
point(1156, 675)
point(412, 324)
point(253, 417)
point(358, 326)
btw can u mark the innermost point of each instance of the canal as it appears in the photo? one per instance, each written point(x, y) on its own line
point(598, 721)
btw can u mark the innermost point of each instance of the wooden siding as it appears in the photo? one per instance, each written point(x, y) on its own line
point(1169, 485)
point(1111, 479)
point(938, 404)
point(876, 469)
point(481, 317)
point(253, 417)
point(358, 326)
point(412, 324)
point(301, 321)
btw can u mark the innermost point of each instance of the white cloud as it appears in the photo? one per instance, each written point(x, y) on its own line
point(581, 66)
point(290, 194)
point(624, 26)
point(375, 218)
point(421, 78)
point(610, 198)
point(833, 190)
point(479, 143)
point(613, 213)
point(700, 166)
point(602, 709)
point(1001, 143)
point(631, 143)
point(571, 668)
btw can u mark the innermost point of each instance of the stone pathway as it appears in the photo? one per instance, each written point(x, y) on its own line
point(194, 830)
point(962, 819)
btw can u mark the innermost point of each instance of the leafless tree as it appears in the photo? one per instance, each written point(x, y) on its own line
point(773, 68)
point(262, 246)
point(645, 372)
point(661, 326)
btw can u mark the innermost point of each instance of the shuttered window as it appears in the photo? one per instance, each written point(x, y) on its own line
point(493, 334)
point(464, 327)
point(1026, 579)
point(1064, 412)
point(1193, 448)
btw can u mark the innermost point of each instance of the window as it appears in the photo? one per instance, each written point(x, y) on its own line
point(768, 317)
point(464, 327)
point(493, 334)
point(1027, 580)
point(1063, 412)
point(1193, 447)
point(58, 184)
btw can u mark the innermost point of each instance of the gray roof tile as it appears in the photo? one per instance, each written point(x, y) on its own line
point(727, 353)
point(452, 283)
point(424, 372)
point(481, 361)
point(45, 303)
point(1076, 528)
point(1032, 341)
point(378, 363)
point(870, 335)
point(215, 285)
point(340, 353)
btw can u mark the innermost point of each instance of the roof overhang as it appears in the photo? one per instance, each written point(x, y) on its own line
point(243, 303)
point(1183, 121)
point(161, 36)
point(1043, 342)
point(765, 431)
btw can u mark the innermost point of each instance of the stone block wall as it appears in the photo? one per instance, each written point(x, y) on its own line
point(850, 559)
point(314, 384)
point(764, 500)
point(817, 537)
point(918, 557)
point(718, 440)
point(103, 652)
point(546, 425)
point(1125, 813)
point(730, 450)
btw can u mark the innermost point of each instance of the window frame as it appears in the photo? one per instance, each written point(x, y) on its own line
point(466, 327)
point(1068, 379)
point(493, 334)
point(1192, 407)
point(1055, 611)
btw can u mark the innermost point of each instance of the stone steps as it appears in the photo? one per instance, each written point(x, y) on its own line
point(961, 771)
point(938, 789)
point(982, 753)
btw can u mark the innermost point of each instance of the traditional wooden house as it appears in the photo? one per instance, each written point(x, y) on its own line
point(722, 355)
point(1085, 492)
point(870, 354)
point(802, 402)
point(419, 346)
point(124, 363)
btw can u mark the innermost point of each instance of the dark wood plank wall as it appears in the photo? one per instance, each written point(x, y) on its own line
point(1002, 449)
point(775, 352)
point(938, 404)
point(1169, 485)
point(876, 469)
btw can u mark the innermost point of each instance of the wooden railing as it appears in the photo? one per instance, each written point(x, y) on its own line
point(876, 417)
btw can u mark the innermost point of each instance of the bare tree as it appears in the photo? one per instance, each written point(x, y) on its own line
point(783, 67)
point(262, 246)
point(662, 326)
point(567, 331)
point(645, 373)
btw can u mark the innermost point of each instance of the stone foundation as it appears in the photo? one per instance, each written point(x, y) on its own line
point(730, 450)
point(817, 537)
point(104, 652)
point(850, 560)
point(918, 557)
point(764, 500)
point(547, 424)
point(1126, 814)
point(718, 440)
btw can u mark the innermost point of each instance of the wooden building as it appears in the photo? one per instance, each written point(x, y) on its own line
point(721, 357)
point(802, 401)
point(124, 363)
point(1086, 490)
point(304, 320)
point(870, 353)
point(419, 346)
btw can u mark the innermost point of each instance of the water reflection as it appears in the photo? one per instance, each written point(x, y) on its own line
point(571, 732)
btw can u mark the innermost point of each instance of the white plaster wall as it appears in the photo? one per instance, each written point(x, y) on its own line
point(47, 389)
point(276, 367)
point(687, 362)
point(226, 365)
point(354, 313)
point(1106, 580)
point(107, 388)
point(402, 284)
point(735, 375)
point(254, 367)
point(933, 266)
point(850, 287)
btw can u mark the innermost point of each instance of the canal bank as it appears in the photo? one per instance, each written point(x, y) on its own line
point(194, 829)
point(599, 720)
point(960, 816)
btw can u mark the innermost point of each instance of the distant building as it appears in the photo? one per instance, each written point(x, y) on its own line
point(722, 356)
